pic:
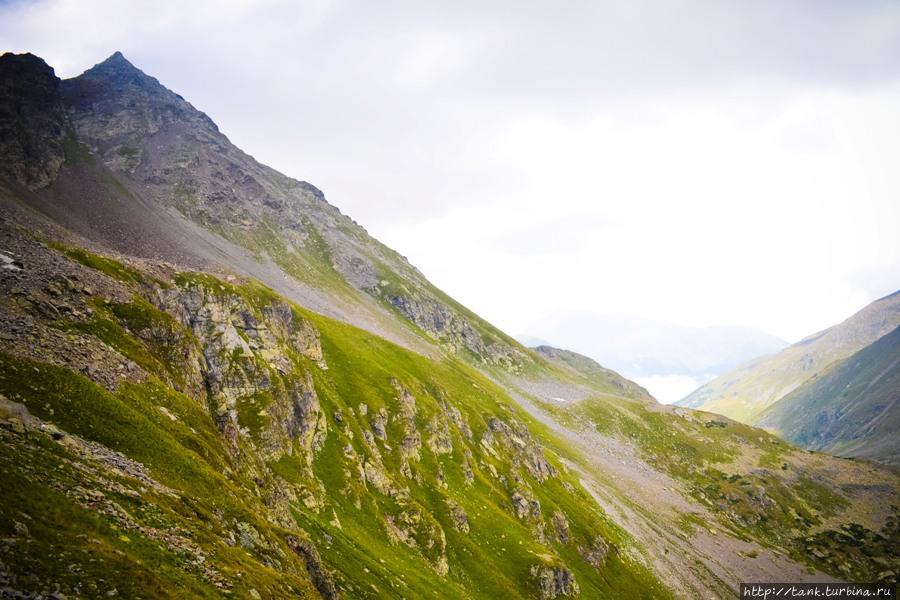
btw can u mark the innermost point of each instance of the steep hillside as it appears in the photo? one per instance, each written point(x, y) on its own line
point(199, 435)
point(743, 393)
point(849, 410)
point(237, 442)
point(130, 164)
point(214, 384)
point(597, 377)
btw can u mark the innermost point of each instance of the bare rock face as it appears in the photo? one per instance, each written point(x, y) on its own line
point(307, 423)
point(439, 439)
point(301, 335)
point(114, 105)
point(457, 418)
point(525, 505)
point(374, 475)
point(245, 368)
point(379, 424)
point(554, 582)
point(561, 526)
point(459, 517)
point(228, 367)
point(320, 577)
point(32, 120)
point(454, 331)
point(417, 529)
point(526, 452)
point(411, 443)
point(595, 552)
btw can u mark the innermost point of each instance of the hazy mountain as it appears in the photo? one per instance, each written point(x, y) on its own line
point(743, 393)
point(665, 357)
point(603, 379)
point(642, 347)
point(529, 341)
point(851, 409)
point(213, 383)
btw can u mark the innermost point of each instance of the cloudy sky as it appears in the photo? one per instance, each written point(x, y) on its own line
point(699, 162)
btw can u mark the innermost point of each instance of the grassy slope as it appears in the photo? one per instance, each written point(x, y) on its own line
point(566, 365)
point(724, 466)
point(747, 390)
point(850, 410)
point(213, 490)
point(73, 544)
point(494, 558)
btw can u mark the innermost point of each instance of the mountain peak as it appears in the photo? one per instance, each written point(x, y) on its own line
point(115, 67)
point(137, 103)
point(117, 59)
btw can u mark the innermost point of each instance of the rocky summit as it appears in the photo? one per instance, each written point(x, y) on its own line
point(215, 384)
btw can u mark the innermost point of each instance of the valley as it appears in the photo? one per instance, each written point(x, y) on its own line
point(214, 384)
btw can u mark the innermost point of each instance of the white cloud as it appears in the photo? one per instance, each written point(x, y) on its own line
point(696, 161)
point(670, 388)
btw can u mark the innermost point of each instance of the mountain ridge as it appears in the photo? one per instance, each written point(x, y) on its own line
point(849, 409)
point(744, 392)
point(251, 210)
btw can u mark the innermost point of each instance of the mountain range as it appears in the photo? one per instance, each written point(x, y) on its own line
point(849, 409)
point(214, 384)
point(644, 347)
point(835, 390)
point(669, 358)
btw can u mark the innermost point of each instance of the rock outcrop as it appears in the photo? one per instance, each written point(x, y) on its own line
point(554, 582)
point(32, 120)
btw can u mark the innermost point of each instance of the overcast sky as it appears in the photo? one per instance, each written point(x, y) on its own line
point(701, 162)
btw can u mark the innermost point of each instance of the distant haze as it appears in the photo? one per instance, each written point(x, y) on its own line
point(700, 162)
point(669, 360)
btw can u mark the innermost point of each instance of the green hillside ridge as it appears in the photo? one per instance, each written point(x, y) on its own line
point(597, 377)
point(414, 476)
point(309, 433)
point(850, 409)
point(746, 391)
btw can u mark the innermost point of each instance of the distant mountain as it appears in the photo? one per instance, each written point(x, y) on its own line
point(531, 341)
point(852, 409)
point(597, 375)
point(746, 391)
point(639, 347)
point(668, 359)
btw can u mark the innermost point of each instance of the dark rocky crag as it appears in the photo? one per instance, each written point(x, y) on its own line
point(32, 120)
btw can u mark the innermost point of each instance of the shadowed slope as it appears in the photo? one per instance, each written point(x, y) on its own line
point(852, 409)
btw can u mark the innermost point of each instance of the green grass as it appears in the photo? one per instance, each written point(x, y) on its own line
point(185, 454)
point(140, 332)
point(775, 506)
point(495, 556)
point(219, 485)
point(216, 487)
point(107, 266)
point(493, 559)
point(70, 545)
